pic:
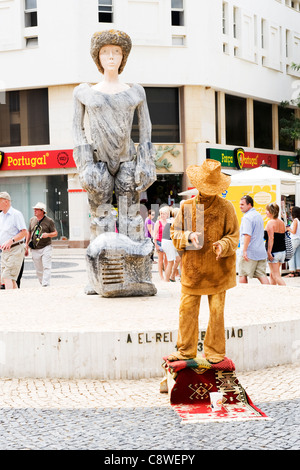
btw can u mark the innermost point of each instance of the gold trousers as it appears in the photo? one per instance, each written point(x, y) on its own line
point(188, 333)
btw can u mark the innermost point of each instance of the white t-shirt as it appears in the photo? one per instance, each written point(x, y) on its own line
point(11, 224)
point(297, 234)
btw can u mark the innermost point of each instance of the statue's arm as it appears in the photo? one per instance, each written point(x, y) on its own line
point(145, 173)
point(82, 152)
point(79, 135)
point(144, 122)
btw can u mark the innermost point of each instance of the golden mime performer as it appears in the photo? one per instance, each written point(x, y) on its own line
point(208, 268)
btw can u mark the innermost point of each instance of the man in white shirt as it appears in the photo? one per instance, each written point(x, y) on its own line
point(253, 254)
point(12, 234)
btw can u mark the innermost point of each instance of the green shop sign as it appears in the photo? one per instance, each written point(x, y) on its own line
point(286, 162)
point(226, 157)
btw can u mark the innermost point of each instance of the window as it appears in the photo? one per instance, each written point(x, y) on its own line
point(32, 42)
point(24, 118)
point(224, 17)
point(234, 22)
point(178, 40)
point(263, 134)
point(163, 104)
point(177, 13)
point(105, 11)
point(236, 120)
point(30, 13)
point(286, 119)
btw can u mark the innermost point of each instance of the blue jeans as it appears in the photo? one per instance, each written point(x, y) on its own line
point(294, 263)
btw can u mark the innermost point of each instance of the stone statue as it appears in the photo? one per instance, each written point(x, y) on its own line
point(111, 164)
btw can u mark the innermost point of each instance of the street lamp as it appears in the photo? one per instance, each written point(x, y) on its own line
point(295, 168)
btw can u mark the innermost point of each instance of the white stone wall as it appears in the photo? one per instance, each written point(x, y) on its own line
point(65, 28)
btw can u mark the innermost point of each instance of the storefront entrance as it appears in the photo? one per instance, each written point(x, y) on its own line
point(26, 191)
point(163, 191)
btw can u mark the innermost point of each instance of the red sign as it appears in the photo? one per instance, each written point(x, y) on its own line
point(38, 160)
point(253, 159)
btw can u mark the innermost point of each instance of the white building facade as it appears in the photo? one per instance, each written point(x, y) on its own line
point(214, 72)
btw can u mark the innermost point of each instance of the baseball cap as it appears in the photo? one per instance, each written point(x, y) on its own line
point(5, 195)
point(40, 205)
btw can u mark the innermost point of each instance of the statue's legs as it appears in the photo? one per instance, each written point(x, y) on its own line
point(128, 201)
point(99, 184)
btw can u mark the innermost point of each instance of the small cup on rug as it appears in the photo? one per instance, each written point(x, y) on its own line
point(216, 401)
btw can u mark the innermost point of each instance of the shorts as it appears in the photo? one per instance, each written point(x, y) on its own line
point(169, 249)
point(252, 268)
point(159, 244)
point(279, 257)
point(11, 262)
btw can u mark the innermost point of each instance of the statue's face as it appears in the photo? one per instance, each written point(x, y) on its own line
point(110, 57)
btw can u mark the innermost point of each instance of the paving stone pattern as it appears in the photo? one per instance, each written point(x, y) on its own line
point(53, 414)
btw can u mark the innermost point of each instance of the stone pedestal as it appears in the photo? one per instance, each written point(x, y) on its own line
point(120, 267)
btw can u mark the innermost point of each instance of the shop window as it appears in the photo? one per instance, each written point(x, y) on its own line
point(24, 118)
point(105, 11)
point(30, 13)
point(177, 13)
point(53, 190)
point(57, 203)
point(163, 104)
point(163, 191)
point(263, 135)
point(286, 119)
point(236, 120)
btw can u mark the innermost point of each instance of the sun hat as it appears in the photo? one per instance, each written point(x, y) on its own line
point(110, 37)
point(5, 195)
point(207, 178)
point(40, 205)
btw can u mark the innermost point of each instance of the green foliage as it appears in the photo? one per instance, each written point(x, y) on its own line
point(290, 124)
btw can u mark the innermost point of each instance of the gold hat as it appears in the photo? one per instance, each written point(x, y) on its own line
point(207, 178)
point(111, 37)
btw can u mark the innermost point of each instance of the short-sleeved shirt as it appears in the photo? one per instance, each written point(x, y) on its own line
point(148, 223)
point(11, 224)
point(253, 225)
point(36, 228)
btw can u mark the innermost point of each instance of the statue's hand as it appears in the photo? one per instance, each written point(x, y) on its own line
point(83, 156)
point(145, 172)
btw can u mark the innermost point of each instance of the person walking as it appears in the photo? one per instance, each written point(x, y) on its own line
point(149, 228)
point(39, 240)
point(253, 254)
point(173, 258)
point(12, 234)
point(294, 229)
point(164, 214)
point(275, 243)
point(208, 260)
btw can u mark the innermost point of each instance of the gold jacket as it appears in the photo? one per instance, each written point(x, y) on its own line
point(201, 273)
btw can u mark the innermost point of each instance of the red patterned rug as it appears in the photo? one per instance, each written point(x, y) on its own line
point(191, 383)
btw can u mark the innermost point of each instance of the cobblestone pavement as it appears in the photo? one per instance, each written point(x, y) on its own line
point(124, 415)
point(129, 415)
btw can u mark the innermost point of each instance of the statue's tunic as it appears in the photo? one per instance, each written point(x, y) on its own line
point(110, 121)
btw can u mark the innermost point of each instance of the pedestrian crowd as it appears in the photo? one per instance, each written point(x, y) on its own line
point(258, 246)
point(16, 240)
